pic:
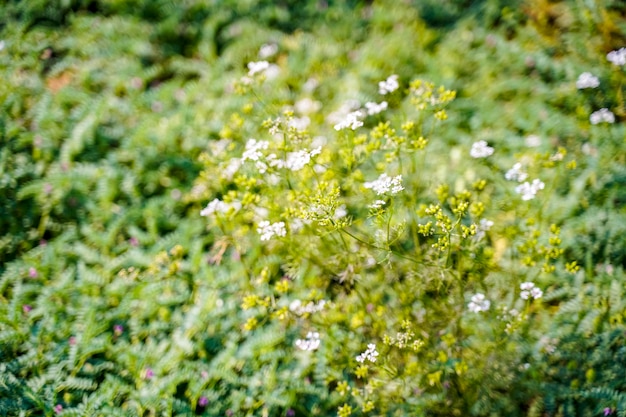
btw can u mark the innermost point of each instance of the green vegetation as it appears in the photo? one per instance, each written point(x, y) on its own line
point(259, 208)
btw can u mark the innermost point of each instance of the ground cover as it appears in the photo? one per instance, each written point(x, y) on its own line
point(343, 208)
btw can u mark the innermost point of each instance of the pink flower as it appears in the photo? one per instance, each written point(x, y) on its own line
point(32, 272)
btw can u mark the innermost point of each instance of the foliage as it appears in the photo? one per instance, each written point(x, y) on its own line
point(208, 210)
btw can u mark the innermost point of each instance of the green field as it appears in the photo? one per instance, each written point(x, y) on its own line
point(313, 208)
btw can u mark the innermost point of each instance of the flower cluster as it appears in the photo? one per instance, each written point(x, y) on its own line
point(297, 307)
point(587, 80)
point(312, 341)
point(268, 230)
point(219, 206)
point(617, 57)
point(389, 85)
point(478, 303)
point(375, 108)
point(351, 121)
point(386, 185)
point(370, 354)
point(530, 290)
point(253, 150)
point(602, 115)
point(480, 149)
point(529, 190)
point(516, 173)
point(257, 67)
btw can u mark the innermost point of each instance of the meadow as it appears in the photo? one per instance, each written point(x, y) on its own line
point(313, 208)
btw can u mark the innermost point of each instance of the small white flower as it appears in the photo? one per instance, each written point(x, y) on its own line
point(386, 184)
point(267, 50)
point(480, 149)
point(253, 150)
point(257, 67)
point(617, 57)
point(375, 108)
point(300, 123)
point(296, 307)
point(389, 85)
point(340, 212)
point(351, 121)
point(533, 141)
point(482, 228)
point(587, 80)
point(516, 173)
point(268, 230)
point(307, 106)
point(529, 290)
point(529, 190)
point(312, 342)
point(377, 204)
point(370, 354)
point(218, 206)
point(602, 115)
point(478, 303)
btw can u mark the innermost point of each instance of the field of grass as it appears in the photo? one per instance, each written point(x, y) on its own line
point(312, 208)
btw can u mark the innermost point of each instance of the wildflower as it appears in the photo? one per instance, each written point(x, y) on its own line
point(311, 307)
point(27, 308)
point(218, 206)
point(533, 141)
point(386, 184)
point(351, 121)
point(253, 150)
point(529, 190)
point(587, 80)
point(516, 173)
point(483, 227)
point(608, 411)
point(529, 290)
point(257, 67)
point(480, 149)
point(389, 85)
point(312, 341)
point(307, 106)
point(375, 108)
point(290, 413)
point(298, 160)
point(478, 303)
point(148, 374)
point(300, 123)
point(203, 401)
point(602, 115)
point(268, 231)
point(377, 204)
point(267, 50)
point(118, 329)
point(370, 354)
point(617, 57)
point(58, 409)
point(32, 272)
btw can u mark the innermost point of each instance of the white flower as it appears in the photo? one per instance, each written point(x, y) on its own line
point(389, 85)
point(377, 204)
point(370, 354)
point(529, 190)
point(267, 50)
point(253, 150)
point(297, 160)
point(257, 67)
point(478, 303)
point(218, 206)
point(310, 308)
point(617, 57)
point(602, 115)
point(340, 212)
point(529, 290)
point(312, 341)
point(375, 108)
point(587, 80)
point(386, 184)
point(268, 231)
point(351, 121)
point(480, 149)
point(516, 173)
point(533, 141)
point(300, 123)
point(482, 228)
point(307, 106)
